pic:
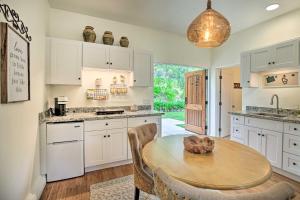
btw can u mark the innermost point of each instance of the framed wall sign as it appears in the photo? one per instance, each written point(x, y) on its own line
point(15, 65)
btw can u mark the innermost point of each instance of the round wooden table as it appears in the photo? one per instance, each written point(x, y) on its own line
point(230, 166)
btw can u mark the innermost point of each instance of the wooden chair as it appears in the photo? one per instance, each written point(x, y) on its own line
point(143, 176)
point(167, 188)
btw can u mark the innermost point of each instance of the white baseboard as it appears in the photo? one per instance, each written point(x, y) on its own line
point(115, 164)
point(37, 188)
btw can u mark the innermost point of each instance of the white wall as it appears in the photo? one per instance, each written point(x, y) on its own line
point(167, 48)
point(19, 156)
point(279, 29)
point(77, 95)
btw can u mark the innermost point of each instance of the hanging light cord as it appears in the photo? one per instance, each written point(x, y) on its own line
point(208, 4)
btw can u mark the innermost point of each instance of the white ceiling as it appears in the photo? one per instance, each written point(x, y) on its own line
point(175, 15)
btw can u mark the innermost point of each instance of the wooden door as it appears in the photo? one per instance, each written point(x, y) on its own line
point(195, 97)
point(95, 55)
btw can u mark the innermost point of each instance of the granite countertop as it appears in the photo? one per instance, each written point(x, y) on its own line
point(250, 113)
point(92, 116)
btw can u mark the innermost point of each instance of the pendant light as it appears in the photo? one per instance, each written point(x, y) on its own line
point(209, 29)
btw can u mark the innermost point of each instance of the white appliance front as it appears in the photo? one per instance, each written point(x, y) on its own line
point(64, 160)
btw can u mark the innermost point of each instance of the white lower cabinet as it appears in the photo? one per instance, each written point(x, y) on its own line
point(106, 141)
point(254, 138)
point(94, 148)
point(291, 163)
point(267, 142)
point(272, 147)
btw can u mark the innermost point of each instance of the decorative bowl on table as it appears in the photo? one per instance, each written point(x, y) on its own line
point(198, 145)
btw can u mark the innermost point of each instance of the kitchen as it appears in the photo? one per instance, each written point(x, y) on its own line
point(55, 25)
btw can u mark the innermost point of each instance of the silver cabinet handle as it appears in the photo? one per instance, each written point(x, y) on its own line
point(64, 142)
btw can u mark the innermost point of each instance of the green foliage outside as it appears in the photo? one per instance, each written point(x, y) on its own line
point(169, 87)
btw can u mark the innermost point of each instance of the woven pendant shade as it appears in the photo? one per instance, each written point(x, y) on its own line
point(209, 29)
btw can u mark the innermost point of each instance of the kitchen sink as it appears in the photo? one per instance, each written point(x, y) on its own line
point(270, 114)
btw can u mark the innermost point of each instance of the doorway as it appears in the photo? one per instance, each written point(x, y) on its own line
point(230, 97)
point(170, 96)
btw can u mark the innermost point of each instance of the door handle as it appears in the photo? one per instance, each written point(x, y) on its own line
point(64, 142)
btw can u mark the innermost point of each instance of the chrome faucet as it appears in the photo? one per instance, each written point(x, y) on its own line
point(272, 102)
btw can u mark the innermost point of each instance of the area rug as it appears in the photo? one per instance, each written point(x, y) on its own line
point(116, 189)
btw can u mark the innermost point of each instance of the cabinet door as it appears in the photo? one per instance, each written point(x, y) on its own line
point(272, 147)
point(286, 54)
point(95, 55)
point(116, 145)
point(120, 58)
point(142, 69)
point(95, 153)
point(260, 60)
point(254, 138)
point(248, 79)
point(64, 62)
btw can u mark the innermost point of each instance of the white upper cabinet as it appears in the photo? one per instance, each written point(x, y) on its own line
point(142, 69)
point(286, 54)
point(64, 61)
point(120, 58)
point(95, 55)
point(283, 55)
point(260, 60)
point(248, 79)
point(102, 56)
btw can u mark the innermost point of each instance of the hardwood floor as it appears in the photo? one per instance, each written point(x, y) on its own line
point(79, 188)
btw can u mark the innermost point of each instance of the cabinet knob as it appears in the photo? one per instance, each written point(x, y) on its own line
point(273, 63)
point(269, 63)
point(105, 136)
point(111, 63)
point(263, 135)
point(108, 136)
point(295, 129)
point(248, 81)
point(145, 121)
point(295, 144)
point(79, 78)
point(134, 80)
point(294, 163)
point(106, 124)
point(259, 134)
point(107, 62)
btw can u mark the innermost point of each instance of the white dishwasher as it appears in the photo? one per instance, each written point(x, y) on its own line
point(64, 150)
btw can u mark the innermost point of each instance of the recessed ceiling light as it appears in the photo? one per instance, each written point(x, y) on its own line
point(272, 7)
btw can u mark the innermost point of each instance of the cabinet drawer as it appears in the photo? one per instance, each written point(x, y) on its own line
point(62, 132)
point(105, 124)
point(138, 121)
point(237, 132)
point(264, 124)
point(293, 129)
point(291, 163)
point(291, 144)
point(238, 119)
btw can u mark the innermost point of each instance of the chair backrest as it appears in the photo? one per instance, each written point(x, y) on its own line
point(167, 188)
point(138, 138)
